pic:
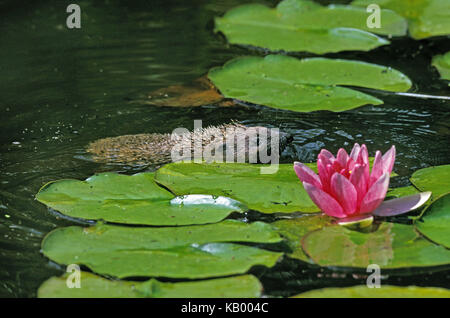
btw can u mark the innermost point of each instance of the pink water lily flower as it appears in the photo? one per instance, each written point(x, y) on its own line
point(345, 187)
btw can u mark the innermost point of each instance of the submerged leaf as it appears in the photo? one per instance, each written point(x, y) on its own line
point(305, 85)
point(133, 199)
point(200, 93)
point(93, 286)
point(299, 25)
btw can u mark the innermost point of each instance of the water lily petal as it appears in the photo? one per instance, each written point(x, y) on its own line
point(323, 175)
point(356, 222)
point(344, 192)
point(326, 156)
point(388, 160)
point(355, 152)
point(402, 205)
point(324, 201)
point(305, 174)
point(336, 166)
point(363, 155)
point(342, 157)
point(377, 168)
point(326, 153)
point(359, 179)
point(367, 173)
point(375, 195)
point(350, 165)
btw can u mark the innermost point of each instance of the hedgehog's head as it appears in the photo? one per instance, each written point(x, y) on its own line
point(251, 144)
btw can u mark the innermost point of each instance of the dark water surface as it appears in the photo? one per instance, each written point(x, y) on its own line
point(61, 89)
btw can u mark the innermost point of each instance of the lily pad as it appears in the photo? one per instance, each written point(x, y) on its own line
point(278, 192)
point(282, 191)
point(299, 25)
point(184, 252)
point(93, 286)
point(294, 229)
point(435, 222)
point(133, 199)
point(442, 63)
point(305, 85)
point(391, 246)
point(435, 179)
point(103, 236)
point(401, 192)
point(426, 18)
point(386, 291)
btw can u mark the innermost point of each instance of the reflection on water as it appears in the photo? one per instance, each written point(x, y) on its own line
point(61, 89)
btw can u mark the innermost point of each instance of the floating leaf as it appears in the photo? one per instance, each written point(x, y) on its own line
point(133, 199)
point(294, 229)
point(390, 246)
point(184, 252)
point(442, 63)
point(385, 291)
point(401, 192)
point(435, 222)
point(93, 286)
point(277, 192)
point(282, 191)
point(435, 179)
point(402, 205)
point(305, 85)
point(426, 18)
point(103, 236)
point(299, 25)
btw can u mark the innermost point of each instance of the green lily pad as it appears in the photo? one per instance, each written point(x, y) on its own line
point(184, 252)
point(386, 291)
point(305, 85)
point(299, 25)
point(294, 229)
point(267, 193)
point(93, 286)
point(435, 179)
point(435, 222)
point(401, 192)
point(391, 246)
point(442, 63)
point(426, 18)
point(133, 199)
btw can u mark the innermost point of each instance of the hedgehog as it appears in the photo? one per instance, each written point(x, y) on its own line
point(156, 149)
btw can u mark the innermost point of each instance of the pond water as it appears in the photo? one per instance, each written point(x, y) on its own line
point(61, 89)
